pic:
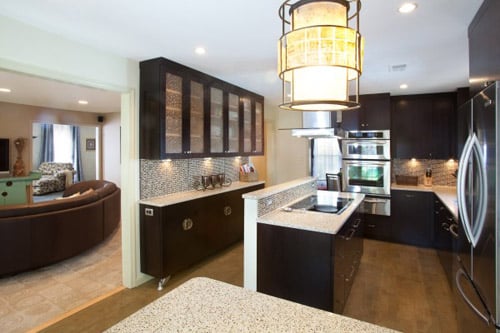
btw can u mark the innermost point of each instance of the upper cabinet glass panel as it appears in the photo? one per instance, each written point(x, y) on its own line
point(259, 140)
point(247, 125)
point(196, 118)
point(234, 124)
point(216, 121)
point(173, 114)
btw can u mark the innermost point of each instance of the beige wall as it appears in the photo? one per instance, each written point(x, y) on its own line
point(17, 122)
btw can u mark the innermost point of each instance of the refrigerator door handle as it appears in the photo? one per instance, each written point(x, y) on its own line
point(462, 168)
point(483, 316)
point(473, 229)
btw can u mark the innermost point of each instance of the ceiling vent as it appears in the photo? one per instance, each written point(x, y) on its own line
point(397, 68)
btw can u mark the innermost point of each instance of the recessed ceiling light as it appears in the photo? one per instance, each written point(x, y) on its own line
point(200, 50)
point(83, 102)
point(403, 86)
point(5, 90)
point(407, 7)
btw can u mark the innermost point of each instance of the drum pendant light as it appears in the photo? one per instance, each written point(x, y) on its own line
point(319, 56)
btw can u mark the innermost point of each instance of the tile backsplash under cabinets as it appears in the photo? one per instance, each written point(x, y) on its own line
point(162, 177)
point(442, 170)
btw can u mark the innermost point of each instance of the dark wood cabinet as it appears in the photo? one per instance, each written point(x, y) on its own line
point(186, 113)
point(374, 113)
point(445, 233)
point(411, 217)
point(484, 46)
point(424, 126)
point(378, 227)
point(175, 237)
point(311, 268)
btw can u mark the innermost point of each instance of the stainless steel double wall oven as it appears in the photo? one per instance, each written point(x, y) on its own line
point(366, 168)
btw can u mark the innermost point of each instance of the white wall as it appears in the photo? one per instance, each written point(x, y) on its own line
point(110, 153)
point(288, 157)
point(28, 50)
point(88, 156)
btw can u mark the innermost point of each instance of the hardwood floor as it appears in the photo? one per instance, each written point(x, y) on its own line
point(402, 287)
point(397, 286)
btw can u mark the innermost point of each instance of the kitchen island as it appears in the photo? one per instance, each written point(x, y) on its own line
point(303, 255)
point(205, 305)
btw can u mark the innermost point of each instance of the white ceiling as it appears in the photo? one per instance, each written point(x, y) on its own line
point(241, 39)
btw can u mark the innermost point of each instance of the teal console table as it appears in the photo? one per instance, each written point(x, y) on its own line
point(17, 190)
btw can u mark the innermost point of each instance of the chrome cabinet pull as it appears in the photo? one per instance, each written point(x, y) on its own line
point(453, 229)
point(187, 224)
point(445, 226)
point(357, 222)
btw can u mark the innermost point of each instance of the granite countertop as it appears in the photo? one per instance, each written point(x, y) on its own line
point(314, 221)
point(175, 198)
point(447, 194)
point(206, 305)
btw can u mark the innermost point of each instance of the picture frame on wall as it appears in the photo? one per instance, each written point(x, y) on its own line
point(90, 144)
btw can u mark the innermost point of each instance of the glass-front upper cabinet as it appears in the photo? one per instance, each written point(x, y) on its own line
point(233, 123)
point(259, 128)
point(185, 113)
point(196, 118)
point(216, 121)
point(247, 125)
point(173, 114)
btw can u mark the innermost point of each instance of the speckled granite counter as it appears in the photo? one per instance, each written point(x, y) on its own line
point(175, 198)
point(447, 194)
point(315, 221)
point(205, 305)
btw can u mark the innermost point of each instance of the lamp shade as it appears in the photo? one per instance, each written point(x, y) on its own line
point(318, 56)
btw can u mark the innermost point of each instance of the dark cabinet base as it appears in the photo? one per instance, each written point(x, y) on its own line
point(177, 236)
point(310, 268)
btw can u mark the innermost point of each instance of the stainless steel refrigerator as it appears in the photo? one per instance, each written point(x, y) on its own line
point(476, 265)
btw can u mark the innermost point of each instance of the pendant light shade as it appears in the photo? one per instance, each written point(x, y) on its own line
point(320, 56)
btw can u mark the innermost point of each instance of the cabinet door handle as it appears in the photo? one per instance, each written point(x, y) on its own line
point(351, 233)
point(187, 224)
point(410, 195)
point(370, 225)
point(445, 226)
point(227, 210)
point(357, 222)
point(454, 230)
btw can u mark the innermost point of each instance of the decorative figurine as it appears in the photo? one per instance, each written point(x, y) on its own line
point(19, 164)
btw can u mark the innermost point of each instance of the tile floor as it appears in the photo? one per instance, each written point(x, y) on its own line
point(33, 298)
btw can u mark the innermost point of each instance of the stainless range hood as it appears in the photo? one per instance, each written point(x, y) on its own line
point(319, 124)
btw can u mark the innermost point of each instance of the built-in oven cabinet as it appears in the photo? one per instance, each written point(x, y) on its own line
point(185, 113)
point(373, 114)
point(412, 217)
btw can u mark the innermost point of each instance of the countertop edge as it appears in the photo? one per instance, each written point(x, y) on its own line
point(175, 198)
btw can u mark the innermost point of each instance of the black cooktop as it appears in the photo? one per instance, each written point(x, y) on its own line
point(311, 203)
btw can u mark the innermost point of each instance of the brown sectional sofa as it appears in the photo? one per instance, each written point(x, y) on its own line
point(36, 235)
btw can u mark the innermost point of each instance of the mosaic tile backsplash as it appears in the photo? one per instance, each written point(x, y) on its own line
point(442, 170)
point(162, 177)
point(277, 200)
